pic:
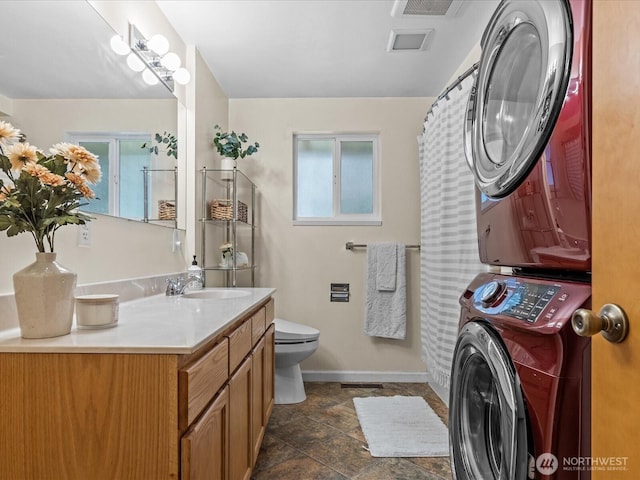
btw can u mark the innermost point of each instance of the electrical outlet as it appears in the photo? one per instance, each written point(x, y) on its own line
point(84, 235)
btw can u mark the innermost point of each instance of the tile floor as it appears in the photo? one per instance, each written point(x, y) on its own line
point(321, 439)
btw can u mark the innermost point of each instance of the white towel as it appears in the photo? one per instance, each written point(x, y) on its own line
point(386, 266)
point(386, 311)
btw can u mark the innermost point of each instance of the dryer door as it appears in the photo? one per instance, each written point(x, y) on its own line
point(519, 90)
point(487, 419)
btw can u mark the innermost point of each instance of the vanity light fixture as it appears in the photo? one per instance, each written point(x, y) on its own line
point(161, 65)
point(135, 63)
point(119, 46)
point(158, 44)
point(149, 77)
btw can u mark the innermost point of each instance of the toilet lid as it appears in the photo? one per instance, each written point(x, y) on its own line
point(290, 331)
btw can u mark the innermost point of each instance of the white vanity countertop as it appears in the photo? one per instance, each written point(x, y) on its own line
point(153, 324)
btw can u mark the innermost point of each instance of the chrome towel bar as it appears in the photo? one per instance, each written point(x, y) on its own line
point(351, 246)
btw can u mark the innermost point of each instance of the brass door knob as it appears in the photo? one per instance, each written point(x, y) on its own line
point(611, 320)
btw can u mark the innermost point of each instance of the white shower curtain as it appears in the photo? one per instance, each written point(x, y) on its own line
point(449, 254)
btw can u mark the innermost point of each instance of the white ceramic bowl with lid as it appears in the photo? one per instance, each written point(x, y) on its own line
point(97, 310)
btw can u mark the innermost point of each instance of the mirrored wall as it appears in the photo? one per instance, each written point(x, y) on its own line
point(62, 82)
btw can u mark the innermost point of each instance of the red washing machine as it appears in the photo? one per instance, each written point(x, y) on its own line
point(520, 381)
point(527, 136)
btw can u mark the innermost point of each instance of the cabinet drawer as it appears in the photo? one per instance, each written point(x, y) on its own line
point(239, 344)
point(199, 382)
point(270, 311)
point(258, 325)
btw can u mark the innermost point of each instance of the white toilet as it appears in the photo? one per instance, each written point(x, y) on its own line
point(293, 343)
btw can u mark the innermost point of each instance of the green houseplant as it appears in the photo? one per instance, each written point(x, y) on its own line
point(168, 140)
point(230, 145)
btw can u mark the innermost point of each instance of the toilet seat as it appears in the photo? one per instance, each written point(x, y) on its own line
point(291, 332)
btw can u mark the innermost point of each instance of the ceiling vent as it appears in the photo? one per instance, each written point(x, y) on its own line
point(417, 8)
point(414, 40)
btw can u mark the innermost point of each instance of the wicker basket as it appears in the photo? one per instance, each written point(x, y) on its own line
point(223, 210)
point(166, 210)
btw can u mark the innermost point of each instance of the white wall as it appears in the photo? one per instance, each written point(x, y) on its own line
point(302, 261)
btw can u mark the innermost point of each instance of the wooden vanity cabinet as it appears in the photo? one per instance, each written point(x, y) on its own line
point(242, 408)
point(79, 416)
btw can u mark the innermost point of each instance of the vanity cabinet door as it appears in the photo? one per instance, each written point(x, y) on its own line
point(257, 393)
point(268, 385)
point(240, 437)
point(205, 447)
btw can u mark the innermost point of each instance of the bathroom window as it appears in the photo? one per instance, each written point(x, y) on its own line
point(336, 180)
point(121, 190)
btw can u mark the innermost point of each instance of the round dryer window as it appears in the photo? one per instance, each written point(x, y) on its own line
point(520, 87)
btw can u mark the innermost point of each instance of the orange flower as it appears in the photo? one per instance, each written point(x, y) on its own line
point(8, 133)
point(20, 154)
point(79, 182)
point(5, 191)
point(81, 160)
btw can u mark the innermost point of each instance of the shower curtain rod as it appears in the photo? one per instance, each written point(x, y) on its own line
point(470, 71)
point(351, 246)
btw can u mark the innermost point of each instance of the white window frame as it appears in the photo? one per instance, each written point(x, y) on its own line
point(338, 218)
point(113, 139)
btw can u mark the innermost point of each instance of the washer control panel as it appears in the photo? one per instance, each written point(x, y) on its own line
point(517, 298)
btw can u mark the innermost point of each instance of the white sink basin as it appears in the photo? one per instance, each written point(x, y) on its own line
point(216, 294)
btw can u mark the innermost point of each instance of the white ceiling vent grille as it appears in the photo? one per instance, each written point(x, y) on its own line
point(409, 40)
point(413, 8)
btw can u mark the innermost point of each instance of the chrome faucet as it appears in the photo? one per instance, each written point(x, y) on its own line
point(178, 286)
point(175, 287)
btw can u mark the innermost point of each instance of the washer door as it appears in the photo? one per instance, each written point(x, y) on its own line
point(487, 418)
point(519, 91)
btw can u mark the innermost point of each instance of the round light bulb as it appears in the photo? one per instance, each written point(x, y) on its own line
point(135, 63)
point(182, 76)
point(149, 77)
point(171, 62)
point(119, 46)
point(159, 44)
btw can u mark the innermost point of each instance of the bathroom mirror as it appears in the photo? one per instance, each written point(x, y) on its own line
point(61, 81)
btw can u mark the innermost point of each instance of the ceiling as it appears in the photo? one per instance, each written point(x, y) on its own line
point(60, 49)
point(326, 48)
point(255, 48)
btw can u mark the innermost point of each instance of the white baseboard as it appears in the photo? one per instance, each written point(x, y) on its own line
point(362, 377)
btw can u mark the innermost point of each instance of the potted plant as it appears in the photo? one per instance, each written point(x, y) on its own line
point(230, 146)
point(168, 140)
point(40, 193)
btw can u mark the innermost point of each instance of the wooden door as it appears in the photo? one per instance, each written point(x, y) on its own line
point(241, 454)
point(616, 233)
point(269, 372)
point(257, 392)
point(205, 447)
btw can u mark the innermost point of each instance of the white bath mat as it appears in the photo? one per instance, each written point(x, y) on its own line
point(401, 427)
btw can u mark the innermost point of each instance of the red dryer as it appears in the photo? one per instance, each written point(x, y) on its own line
point(527, 136)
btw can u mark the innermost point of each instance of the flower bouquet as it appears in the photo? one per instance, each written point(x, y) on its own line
point(41, 193)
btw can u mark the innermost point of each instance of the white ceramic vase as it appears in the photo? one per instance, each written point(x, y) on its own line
point(227, 164)
point(44, 297)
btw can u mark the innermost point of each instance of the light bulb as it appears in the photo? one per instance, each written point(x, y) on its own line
point(119, 46)
point(135, 63)
point(159, 44)
point(182, 76)
point(149, 77)
point(171, 62)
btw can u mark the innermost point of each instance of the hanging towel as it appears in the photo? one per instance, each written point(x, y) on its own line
point(386, 266)
point(386, 310)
